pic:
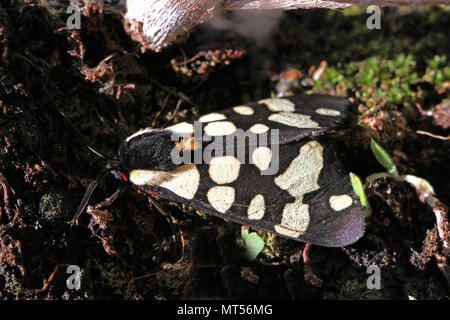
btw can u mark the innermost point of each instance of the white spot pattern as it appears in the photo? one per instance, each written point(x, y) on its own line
point(328, 112)
point(182, 128)
point(278, 104)
point(220, 128)
point(302, 176)
point(224, 169)
point(212, 117)
point(261, 157)
point(221, 197)
point(303, 172)
point(257, 208)
point(244, 110)
point(183, 181)
point(259, 128)
point(340, 202)
point(294, 120)
point(295, 218)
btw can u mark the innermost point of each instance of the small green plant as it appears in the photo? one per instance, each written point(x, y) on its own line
point(383, 158)
point(421, 185)
point(253, 243)
point(359, 190)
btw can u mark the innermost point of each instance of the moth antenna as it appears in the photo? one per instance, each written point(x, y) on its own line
point(85, 140)
point(87, 195)
point(96, 152)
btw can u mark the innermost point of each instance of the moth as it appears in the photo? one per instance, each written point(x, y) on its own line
point(267, 164)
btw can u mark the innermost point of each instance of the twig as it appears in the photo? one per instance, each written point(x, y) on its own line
point(440, 210)
point(133, 281)
point(172, 91)
point(161, 110)
point(423, 112)
point(426, 195)
point(432, 135)
point(374, 110)
point(310, 277)
point(48, 281)
point(5, 187)
point(176, 109)
point(443, 265)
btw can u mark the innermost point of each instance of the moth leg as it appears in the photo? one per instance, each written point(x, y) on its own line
point(171, 221)
point(110, 200)
point(87, 195)
point(310, 277)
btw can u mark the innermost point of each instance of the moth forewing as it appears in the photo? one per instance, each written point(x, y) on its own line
point(307, 196)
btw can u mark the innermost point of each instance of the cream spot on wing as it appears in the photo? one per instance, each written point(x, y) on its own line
point(183, 181)
point(212, 117)
point(261, 157)
point(141, 177)
point(259, 128)
point(220, 128)
point(302, 175)
point(140, 132)
point(340, 202)
point(244, 110)
point(257, 208)
point(295, 218)
point(328, 112)
point(224, 169)
point(294, 120)
point(278, 104)
point(221, 198)
point(182, 128)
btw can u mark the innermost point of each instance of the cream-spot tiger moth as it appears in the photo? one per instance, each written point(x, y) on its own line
point(276, 170)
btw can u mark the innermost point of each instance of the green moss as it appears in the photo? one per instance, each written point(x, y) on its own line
point(51, 207)
point(354, 289)
point(375, 79)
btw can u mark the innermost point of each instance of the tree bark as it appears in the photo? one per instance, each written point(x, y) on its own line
point(157, 23)
point(329, 4)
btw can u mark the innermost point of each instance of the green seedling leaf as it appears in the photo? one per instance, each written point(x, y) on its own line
point(383, 157)
point(359, 190)
point(244, 233)
point(253, 244)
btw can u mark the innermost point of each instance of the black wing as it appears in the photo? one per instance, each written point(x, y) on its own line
point(309, 199)
point(295, 117)
point(294, 187)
